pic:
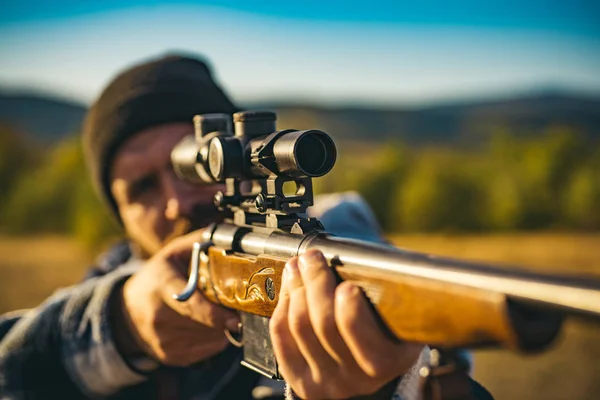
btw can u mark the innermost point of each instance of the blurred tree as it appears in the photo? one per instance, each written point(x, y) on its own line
point(545, 168)
point(504, 202)
point(505, 205)
point(531, 182)
point(17, 154)
point(57, 197)
point(581, 198)
point(438, 194)
point(515, 183)
point(379, 182)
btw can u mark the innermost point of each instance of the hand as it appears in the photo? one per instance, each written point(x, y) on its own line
point(326, 339)
point(174, 333)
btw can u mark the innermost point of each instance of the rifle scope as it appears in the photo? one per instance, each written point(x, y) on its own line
point(254, 150)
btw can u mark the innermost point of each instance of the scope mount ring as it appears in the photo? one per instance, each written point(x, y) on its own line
point(192, 282)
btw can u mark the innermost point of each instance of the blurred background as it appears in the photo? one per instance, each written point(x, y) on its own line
point(472, 129)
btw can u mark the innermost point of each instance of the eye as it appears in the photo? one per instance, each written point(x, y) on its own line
point(142, 186)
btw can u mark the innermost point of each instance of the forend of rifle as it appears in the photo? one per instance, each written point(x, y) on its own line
point(420, 298)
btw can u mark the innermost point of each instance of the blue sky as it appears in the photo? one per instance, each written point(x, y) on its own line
point(323, 52)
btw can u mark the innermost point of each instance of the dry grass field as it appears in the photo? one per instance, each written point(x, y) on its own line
point(32, 268)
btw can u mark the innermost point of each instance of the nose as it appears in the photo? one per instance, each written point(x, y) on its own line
point(173, 208)
point(178, 202)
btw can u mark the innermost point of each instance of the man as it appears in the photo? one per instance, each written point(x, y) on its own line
point(119, 334)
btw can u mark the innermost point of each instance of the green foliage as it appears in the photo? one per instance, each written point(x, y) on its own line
point(438, 195)
point(56, 196)
point(582, 198)
point(513, 183)
point(542, 181)
point(504, 207)
point(378, 184)
point(16, 155)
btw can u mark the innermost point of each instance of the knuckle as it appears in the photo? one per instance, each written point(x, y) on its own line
point(299, 322)
point(349, 307)
point(316, 272)
point(306, 390)
point(316, 265)
point(277, 325)
point(321, 378)
point(326, 326)
point(300, 392)
point(374, 368)
point(313, 254)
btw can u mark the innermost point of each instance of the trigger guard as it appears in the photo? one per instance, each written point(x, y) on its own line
point(192, 283)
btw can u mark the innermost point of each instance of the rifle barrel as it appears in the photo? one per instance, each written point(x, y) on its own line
point(574, 294)
point(580, 295)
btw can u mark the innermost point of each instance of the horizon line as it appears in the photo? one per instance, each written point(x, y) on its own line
point(525, 91)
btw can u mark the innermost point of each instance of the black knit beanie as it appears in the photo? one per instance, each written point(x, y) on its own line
point(169, 89)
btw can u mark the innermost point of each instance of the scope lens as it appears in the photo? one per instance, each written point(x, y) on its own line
point(310, 154)
point(315, 153)
point(304, 153)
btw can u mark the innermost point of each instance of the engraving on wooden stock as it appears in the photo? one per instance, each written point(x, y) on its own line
point(244, 291)
point(242, 282)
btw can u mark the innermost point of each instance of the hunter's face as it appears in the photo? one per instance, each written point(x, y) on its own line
point(154, 204)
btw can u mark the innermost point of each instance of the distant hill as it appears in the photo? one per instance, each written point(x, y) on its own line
point(49, 119)
point(455, 123)
point(43, 117)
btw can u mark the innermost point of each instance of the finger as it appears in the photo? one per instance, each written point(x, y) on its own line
point(320, 283)
point(291, 363)
point(293, 277)
point(376, 354)
point(319, 361)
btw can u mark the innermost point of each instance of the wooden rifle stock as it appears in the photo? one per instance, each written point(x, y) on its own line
point(417, 301)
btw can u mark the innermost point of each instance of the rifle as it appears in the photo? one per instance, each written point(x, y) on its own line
point(445, 303)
